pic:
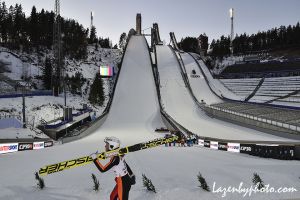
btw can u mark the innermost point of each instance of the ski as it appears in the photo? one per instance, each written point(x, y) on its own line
point(58, 167)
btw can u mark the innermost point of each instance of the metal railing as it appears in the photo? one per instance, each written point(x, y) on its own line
point(256, 118)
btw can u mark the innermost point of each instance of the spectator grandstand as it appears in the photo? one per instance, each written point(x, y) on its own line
point(287, 116)
point(280, 90)
point(241, 87)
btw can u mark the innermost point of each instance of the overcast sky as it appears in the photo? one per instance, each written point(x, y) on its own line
point(184, 17)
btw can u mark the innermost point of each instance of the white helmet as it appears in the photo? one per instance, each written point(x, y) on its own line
point(113, 142)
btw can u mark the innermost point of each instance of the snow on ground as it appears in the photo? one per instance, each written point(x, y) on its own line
point(14, 65)
point(222, 64)
point(135, 104)
point(179, 104)
point(50, 108)
point(5, 87)
point(46, 108)
point(16, 133)
point(173, 170)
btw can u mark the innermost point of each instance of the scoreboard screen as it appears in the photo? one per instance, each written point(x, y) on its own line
point(106, 71)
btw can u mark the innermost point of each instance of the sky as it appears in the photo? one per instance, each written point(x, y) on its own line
point(183, 17)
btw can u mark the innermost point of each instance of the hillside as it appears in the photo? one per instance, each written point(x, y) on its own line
point(15, 65)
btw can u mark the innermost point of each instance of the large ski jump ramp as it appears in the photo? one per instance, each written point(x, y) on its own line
point(179, 104)
point(134, 112)
point(199, 85)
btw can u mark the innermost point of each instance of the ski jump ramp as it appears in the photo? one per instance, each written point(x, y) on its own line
point(134, 113)
point(179, 104)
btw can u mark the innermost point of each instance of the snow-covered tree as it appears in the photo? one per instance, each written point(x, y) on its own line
point(97, 91)
point(122, 41)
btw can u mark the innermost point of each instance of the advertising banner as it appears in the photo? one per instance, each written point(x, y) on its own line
point(201, 142)
point(38, 145)
point(222, 146)
point(247, 148)
point(8, 148)
point(25, 146)
point(207, 143)
point(214, 145)
point(48, 144)
point(234, 147)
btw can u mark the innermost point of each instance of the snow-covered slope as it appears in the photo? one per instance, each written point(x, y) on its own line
point(134, 112)
point(198, 83)
point(216, 85)
point(180, 105)
point(172, 170)
point(49, 107)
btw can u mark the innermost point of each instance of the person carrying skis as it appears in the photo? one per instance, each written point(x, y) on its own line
point(124, 176)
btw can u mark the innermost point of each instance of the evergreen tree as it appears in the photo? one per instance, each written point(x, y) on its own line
point(122, 41)
point(96, 183)
point(130, 33)
point(96, 96)
point(115, 47)
point(189, 44)
point(33, 27)
point(257, 181)
point(40, 183)
point(10, 25)
point(47, 74)
point(3, 22)
point(202, 182)
point(105, 43)
point(147, 183)
point(93, 37)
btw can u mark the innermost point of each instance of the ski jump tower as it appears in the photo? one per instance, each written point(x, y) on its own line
point(232, 33)
point(56, 77)
point(139, 24)
point(92, 20)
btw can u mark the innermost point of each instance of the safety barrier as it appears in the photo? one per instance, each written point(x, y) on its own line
point(276, 151)
point(24, 146)
point(255, 118)
point(31, 93)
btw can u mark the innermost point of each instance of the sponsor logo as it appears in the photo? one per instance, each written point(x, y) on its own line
point(159, 142)
point(201, 142)
point(64, 165)
point(38, 145)
point(234, 147)
point(25, 146)
point(7, 148)
point(67, 165)
point(243, 148)
point(48, 144)
point(222, 146)
point(206, 143)
point(246, 148)
point(213, 145)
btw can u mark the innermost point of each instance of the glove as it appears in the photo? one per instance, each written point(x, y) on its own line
point(94, 155)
